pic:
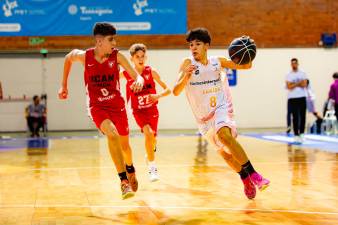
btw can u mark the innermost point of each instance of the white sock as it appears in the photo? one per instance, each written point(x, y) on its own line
point(151, 164)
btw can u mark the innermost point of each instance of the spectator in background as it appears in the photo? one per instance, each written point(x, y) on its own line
point(288, 118)
point(35, 115)
point(333, 94)
point(311, 108)
point(296, 85)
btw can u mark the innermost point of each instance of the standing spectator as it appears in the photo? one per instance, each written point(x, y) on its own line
point(288, 119)
point(333, 94)
point(296, 84)
point(36, 115)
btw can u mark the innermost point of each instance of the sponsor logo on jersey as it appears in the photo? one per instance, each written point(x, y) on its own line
point(212, 90)
point(102, 78)
point(206, 82)
point(110, 97)
point(145, 87)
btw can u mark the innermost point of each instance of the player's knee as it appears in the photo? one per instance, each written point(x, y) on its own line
point(112, 134)
point(125, 145)
point(224, 134)
point(148, 132)
point(224, 154)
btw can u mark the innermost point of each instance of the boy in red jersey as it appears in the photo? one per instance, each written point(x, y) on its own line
point(104, 101)
point(144, 103)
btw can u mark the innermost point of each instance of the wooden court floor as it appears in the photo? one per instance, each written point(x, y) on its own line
point(73, 182)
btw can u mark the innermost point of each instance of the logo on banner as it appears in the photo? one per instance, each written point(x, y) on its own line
point(99, 11)
point(89, 10)
point(8, 6)
point(139, 5)
point(142, 7)
point(72, 9)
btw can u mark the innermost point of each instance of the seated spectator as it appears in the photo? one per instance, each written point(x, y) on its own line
point(36, 116)
point(310, 105)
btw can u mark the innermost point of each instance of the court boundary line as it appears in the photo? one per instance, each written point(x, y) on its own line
point(159, 165)
point(171, 207)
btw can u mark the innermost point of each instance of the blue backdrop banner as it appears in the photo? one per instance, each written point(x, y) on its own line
point(77, 17)
point(232, 76)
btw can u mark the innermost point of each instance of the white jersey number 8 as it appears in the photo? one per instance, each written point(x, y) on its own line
point(213, 101)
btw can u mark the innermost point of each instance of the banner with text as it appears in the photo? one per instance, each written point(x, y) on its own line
point(77, 17)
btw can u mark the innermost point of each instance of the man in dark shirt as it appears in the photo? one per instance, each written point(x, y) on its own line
point(35, 114)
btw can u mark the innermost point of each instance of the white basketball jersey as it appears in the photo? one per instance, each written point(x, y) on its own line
point(204, 90)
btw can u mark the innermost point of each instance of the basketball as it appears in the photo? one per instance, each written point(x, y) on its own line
point(242, 50)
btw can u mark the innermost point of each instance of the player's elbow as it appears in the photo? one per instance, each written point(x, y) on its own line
point(69, 57)
point(168, 91)
point(176, 92)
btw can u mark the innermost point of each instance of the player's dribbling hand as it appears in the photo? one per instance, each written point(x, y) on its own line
point(153, 98)
point(137, 86)
point(63, 93)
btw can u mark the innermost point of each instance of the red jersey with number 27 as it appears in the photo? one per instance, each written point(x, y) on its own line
point(102, 82)
point(140, 100)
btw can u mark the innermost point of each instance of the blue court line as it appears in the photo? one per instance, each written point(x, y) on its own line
point(321, 142)
point(11, 144)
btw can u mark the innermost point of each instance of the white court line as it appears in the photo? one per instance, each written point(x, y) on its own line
point(169, 207)
point(321, 138)
point(287, 139)
point(162, 166)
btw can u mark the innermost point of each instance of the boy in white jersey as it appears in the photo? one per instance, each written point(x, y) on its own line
point(210, 102)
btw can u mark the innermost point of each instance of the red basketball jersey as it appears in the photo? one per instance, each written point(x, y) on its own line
point(140, 100)
point(102, 82)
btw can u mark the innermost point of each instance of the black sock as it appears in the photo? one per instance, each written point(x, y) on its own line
point(130, 169)
point(243, 174)
point(123, 176)
point(248, 168)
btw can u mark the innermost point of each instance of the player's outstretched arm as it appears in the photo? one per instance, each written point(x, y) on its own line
point(139, 81)
point(186, 70)
point(75, 55)
point(227, 63)
point(166, 91)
